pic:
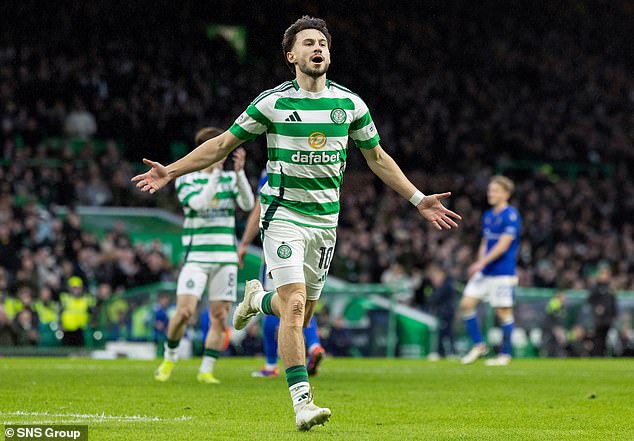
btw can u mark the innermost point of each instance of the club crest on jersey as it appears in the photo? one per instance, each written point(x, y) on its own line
point(284, 251)
point(317, 140)
point(338, 116)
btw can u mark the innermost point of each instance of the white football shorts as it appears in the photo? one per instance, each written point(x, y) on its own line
point(498, 291)
point(295, 254)
point(221, 281)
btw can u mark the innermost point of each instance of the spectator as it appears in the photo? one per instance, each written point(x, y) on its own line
point(525, 84)
point(604, 310)
point(396, 277)
point(442, 304)
point(26, 328)
point(9, 248)
point(626, 336)
point(155, 268)
point(46, 308)
point(22, 300)
point(252, 343)
point(99, 316)
point(118, 313)
point(339, 342)
point(80, 122)
point(7, 331)
point(553, 327)
point(76, 306)
point(161, 317)
point(4, 286)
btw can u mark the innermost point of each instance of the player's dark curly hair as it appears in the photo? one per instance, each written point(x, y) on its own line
point(306, 22)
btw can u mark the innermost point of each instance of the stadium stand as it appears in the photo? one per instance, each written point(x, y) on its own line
point(87, 90)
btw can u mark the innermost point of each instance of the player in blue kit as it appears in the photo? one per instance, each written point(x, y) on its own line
point(271, 323)
point(492, 276)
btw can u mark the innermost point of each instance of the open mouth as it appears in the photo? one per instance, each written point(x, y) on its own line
point(317, 59)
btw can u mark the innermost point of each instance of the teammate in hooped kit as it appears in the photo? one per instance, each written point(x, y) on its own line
point(493, 275)
point(271, 323)
point(209, 198)
point(300, 202)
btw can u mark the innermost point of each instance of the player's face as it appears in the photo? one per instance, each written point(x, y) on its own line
point(310, 53)
point(496, 194)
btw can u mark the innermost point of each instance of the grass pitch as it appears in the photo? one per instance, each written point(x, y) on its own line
point(371, 399)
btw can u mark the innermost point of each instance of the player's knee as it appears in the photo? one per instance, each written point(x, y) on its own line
point(296, 307)
point(294, 310)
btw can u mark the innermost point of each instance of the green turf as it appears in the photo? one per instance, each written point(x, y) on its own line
point(371, 399)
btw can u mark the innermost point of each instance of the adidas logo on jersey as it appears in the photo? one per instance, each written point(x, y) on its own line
point(293, 117)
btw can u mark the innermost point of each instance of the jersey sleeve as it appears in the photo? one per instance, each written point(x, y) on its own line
point(362, 129)
point(186, 188)
point(252, 122)
point(512, 224)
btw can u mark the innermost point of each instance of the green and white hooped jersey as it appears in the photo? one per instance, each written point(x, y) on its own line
point(209, 235)
point(307, 136)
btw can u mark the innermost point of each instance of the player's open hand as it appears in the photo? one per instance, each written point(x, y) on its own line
point(239, 158)
point(436, 213)
point(154, 179)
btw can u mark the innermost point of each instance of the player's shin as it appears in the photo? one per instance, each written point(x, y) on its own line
point(472, 327)
point(507, 331)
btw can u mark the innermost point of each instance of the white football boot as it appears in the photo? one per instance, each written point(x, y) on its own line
point(310, 415)
point(244, 311)
point(500, 360)
point(476, 352)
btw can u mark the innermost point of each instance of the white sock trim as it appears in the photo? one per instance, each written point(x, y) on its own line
point(256, 301)
point(207, 364)
point(300, 393)
point(170, 354)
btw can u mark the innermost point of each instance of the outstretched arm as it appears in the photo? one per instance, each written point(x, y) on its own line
point(204, 155)
point(391, 174)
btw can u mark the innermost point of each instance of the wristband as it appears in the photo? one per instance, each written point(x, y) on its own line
point(416, 198)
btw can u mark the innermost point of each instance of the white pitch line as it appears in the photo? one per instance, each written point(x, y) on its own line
point(95, 418)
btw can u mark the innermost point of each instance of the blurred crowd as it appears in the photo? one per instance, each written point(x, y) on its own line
point(56, 276)
point(458, 92)
point(569, 228)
